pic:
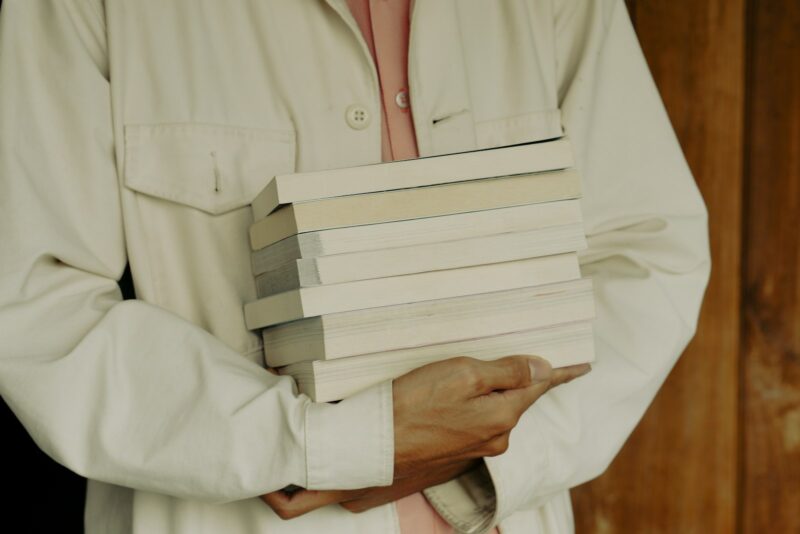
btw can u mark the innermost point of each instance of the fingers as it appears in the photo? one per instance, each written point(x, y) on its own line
point(447, 410)
point(497, 445)
point(289, 506)
point(433, 476)
point(509, 372)
point(523, 398)
point(502, 409)
point(562, 375)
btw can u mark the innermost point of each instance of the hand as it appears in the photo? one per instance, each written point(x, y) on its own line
point(447, 415)
point(463, 408)
point(290, 505)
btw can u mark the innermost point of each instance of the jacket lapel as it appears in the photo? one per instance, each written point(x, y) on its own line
point(443, 120)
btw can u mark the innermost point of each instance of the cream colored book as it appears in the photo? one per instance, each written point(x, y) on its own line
point(419, 202)
point(397, 261)
point(418, 172)
point(412, 232)
point(340, 335)
point(363, 294)
point(325, 381)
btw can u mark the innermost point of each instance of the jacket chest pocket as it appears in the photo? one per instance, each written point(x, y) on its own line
point(188, 215)
point(521, 128)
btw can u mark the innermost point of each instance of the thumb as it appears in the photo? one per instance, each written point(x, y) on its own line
point(510, 372)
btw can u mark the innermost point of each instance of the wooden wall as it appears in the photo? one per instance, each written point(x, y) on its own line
point(719, 449)
point(770, 488)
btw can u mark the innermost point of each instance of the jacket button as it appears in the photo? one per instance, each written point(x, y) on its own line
point(357, 117)
point(401, 99)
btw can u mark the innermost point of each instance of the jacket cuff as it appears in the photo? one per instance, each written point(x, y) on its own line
point(350, 444)
point(519, 472)
point(467, 502)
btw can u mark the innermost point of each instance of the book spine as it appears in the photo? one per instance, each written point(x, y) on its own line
point(505, 161)
point(428, 323)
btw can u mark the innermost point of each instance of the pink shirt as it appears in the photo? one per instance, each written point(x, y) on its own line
point(385, 25)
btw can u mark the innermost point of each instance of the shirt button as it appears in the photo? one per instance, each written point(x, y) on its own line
point(357, 117)
point(402, 99)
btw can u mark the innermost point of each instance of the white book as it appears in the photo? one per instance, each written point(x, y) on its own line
point(412, 232)
point(363, 294)
point(340, 335)
point(417, 172)
point(416, 203)
point(397, 261)
point(325, 381)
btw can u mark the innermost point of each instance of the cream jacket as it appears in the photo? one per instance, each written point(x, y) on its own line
point(137, 132)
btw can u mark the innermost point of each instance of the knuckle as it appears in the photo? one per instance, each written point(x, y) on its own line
point(521, 370)
point(284, 514)
point(504, 442)
point(477, 381)
point(506, 420)
point(464, 361)
point(497, 446)
point(354, 507)
point(516, 367)
point(350, 506)
point(472, 378)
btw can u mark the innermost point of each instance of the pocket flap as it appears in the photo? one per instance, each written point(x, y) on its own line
point(214, 168)
point(523, 128)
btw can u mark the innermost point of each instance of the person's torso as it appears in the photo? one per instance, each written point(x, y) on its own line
point(210, 99)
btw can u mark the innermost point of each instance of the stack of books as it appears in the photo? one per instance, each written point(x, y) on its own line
point(366, 273)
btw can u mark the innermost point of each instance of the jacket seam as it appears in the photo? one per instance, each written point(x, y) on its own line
point(211, 128)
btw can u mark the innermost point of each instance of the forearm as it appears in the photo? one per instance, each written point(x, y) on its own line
point(128, 392)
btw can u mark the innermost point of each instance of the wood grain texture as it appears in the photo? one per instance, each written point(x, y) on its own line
point(677, 473)
point(770, 489)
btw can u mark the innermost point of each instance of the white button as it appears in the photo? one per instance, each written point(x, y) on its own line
point(402, 99)
point(357, 117)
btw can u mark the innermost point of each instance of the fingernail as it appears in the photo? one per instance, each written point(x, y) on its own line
point(540, 370)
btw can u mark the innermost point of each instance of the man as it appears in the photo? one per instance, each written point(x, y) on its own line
point(138, 132)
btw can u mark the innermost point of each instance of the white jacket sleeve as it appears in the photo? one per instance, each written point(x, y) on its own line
point(648, 256)
point(122, 391)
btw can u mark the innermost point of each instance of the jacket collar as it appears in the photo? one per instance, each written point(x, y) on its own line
point(442, 112)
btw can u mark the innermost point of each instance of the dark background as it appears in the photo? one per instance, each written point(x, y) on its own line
point(719, 449)
point(41, 494)
point(38, 493)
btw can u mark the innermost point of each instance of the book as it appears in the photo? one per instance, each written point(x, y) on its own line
point(417, 172)
point(419, 202)
point(340, 335)
point(396, 261)
point(411, 232)
point(366, 273)
point(325, 381)
point(363, 294)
